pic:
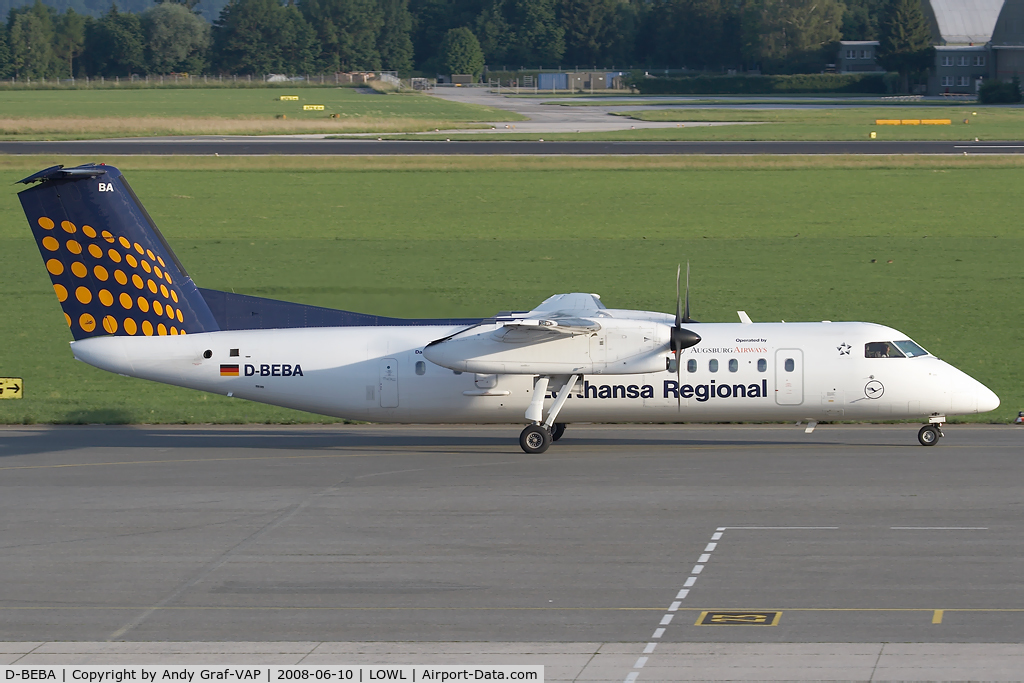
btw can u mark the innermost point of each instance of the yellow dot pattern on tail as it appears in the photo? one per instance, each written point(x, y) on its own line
point(97, 287)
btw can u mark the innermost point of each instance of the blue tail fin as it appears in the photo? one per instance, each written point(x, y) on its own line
point(112, 270)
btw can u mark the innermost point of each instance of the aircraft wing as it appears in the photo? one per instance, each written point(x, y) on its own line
point(575, 303)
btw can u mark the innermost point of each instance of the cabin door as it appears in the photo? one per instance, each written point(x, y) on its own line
point(789, 377)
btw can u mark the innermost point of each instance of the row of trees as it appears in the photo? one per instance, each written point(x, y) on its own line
point(318, 36)
point(38, 42)
point(773, 35)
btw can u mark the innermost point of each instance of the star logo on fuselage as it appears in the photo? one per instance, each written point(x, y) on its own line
point(844, 349)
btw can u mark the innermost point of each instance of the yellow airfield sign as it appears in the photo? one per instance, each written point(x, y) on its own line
point(11, 387)
point(739, 618)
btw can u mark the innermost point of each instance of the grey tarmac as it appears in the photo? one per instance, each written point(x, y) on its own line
point(298, 146)
point(875, 557)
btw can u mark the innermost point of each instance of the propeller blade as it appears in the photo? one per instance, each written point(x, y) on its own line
point(679, 382)
point(686, 311)
point(679, 304)
point(681, 338)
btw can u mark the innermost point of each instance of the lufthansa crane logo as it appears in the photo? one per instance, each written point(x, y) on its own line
point(874, 389)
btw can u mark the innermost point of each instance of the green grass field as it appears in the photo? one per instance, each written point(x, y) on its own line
point(790, 239)
point(854, 123)
point(987, 123)
point(90, 113)
point(584, 100)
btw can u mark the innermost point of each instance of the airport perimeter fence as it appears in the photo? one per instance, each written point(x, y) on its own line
point(389, 79)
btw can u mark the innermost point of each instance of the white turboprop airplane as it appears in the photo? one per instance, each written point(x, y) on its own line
point(133, 310)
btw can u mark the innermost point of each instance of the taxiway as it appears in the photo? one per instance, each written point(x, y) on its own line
point(798, 554)
point(284, 145)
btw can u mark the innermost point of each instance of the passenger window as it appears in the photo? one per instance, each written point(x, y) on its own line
point(421, 368)
point(734, 365)
point(713, 365)
point(762, 365)
point(691, 365)
point(882, 350)
point(790, 365)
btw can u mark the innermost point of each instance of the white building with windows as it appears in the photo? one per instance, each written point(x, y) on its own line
point(962, 31)
point(974, 40)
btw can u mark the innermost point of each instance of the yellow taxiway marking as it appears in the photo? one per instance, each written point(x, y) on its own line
point(937, 616)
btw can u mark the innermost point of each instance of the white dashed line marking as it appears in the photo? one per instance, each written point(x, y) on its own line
point(676, 604)
point(699, 567)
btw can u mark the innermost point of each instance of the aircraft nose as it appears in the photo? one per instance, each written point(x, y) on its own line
point(987, 399)
point(971, 396)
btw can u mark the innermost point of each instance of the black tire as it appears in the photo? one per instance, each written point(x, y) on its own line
point(557, 431)
point(535, 439)
point(929, 435)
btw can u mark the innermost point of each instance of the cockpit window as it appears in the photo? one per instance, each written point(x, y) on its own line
point(882, 350)
point(911, 349)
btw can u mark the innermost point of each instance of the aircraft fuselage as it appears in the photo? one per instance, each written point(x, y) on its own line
point(739, 372)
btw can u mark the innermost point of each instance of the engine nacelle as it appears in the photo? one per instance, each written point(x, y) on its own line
point(619, 347)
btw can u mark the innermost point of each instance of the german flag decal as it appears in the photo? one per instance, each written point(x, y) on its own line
point(229, 370)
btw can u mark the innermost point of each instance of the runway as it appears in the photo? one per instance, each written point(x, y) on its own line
point(235, 146)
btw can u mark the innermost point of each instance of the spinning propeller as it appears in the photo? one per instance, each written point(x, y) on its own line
point(681, 337)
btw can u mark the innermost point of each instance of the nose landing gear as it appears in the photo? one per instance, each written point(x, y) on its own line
point(929, 435)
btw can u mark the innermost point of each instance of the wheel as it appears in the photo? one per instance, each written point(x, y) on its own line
point(929, 435)
point(535, 439)
point(557, 431)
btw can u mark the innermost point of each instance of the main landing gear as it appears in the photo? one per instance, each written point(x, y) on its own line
point(557, 431)
point(537, 438)
point(539, 435)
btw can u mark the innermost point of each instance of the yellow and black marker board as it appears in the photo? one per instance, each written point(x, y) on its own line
point(11, 387)
point(739, 618)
